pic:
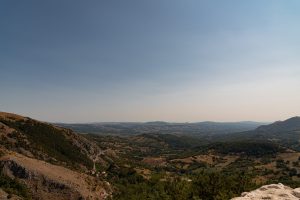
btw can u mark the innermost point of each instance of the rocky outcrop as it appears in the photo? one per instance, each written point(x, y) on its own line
point(86, 146)
point(271, 192)
point(47, 181)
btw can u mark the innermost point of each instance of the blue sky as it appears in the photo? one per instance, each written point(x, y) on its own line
point(83, 61)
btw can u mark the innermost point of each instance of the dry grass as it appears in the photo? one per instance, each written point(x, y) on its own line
point(155, 161)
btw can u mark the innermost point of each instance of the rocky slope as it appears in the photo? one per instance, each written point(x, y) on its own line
point(49, 181)
point(272, 192)
point(45, 141)
point(52, 162)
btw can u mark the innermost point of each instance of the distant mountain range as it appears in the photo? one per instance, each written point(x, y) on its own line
point(198, 128)
point(291, 124)
point(286, 133)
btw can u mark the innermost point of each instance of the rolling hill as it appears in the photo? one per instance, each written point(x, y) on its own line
point(291, 124)
point(286, 133)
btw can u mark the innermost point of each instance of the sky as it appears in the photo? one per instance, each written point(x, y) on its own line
point(141, 60)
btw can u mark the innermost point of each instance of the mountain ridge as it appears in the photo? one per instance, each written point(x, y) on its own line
point(197, 128)
point(289, 124)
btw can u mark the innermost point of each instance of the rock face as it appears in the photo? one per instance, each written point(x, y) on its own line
point(271, 192)
point(53, 162)
point(47, 181)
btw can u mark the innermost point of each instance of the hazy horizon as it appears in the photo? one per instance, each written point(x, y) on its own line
point(161, 60)
point(178, 122)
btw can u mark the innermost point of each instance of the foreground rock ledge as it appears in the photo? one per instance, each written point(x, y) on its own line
point(272, 192)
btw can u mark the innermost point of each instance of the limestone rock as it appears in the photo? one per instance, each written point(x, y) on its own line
point(271, 192)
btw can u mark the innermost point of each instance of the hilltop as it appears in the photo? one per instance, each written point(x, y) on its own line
point(286, 133)
point(291, 124)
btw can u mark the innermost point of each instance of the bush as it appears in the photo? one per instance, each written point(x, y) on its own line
point(13, 187)
point(203, 185)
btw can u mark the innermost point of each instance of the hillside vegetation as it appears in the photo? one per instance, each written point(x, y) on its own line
point(134, 128)
point(69, 157)
point(144, 165)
